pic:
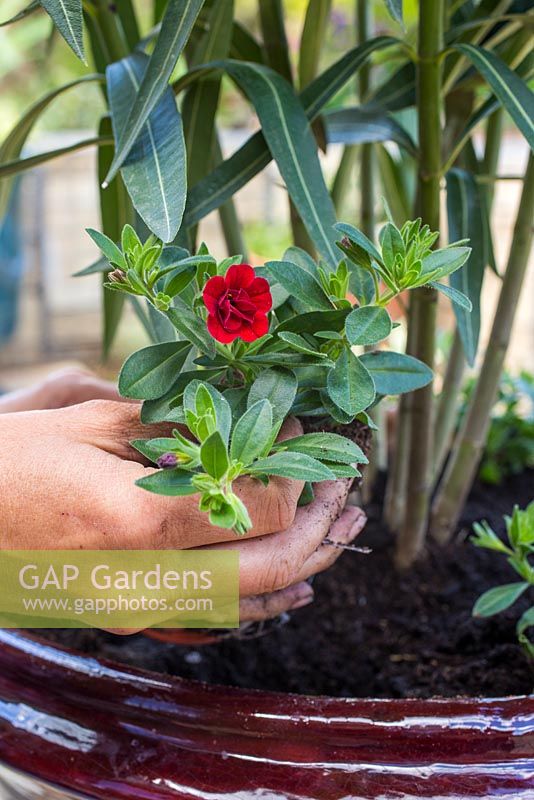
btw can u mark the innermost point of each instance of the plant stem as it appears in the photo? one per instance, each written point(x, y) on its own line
point(395, 499)
point(412, 534)
point(113, 35)
point(470, 441)
point(230, 224)
point(344, 177)
point(492, 150)
point(448, 404)
point(364, 16)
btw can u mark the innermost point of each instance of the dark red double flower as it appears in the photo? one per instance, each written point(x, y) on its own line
point(237, 305)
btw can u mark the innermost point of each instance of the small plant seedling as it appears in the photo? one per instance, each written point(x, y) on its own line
point(518, 549)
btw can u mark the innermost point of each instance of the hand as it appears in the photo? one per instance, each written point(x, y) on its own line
point(50, 503)
point(64, 387)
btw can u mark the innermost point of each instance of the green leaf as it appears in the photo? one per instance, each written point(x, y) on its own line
point(464, 211)
point(16, 139)
point(396, 373)
point(201, 100)
point(314, 321)
point(67, 16)
point(398, 90)
point(192, 327)
point(392, 244)
point(214, 456)
point(312, 39)
point(291, 142)
point(361, 125)
point(325, 447)
point(252, 433)
point(498, 599)
point(126, 12)
point(455, 296)
point(155, 448)
point(244, 46)
point(169, 482)
point(176, 26)
point(299, 343)
point(447, 260)
point(154, 171)
point(299, 283)
point(150, 372)
point(25, 12)
point(367, 325)
point(279, 387)
point(18, 165)
point(394, 8)
point(512, 92)
point(525, 622)
point(233, 173)
point(360, 239)
point(164, 408)
point(349, 384)
point(292, 465)
point(108, 247)
point(199, 396)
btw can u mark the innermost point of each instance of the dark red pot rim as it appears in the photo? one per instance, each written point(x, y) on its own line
point(110, 731)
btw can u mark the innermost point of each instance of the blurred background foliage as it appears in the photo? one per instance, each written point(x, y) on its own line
point(33, 59)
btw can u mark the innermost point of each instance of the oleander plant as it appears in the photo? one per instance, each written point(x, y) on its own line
point(415, 98)
point(244, 348)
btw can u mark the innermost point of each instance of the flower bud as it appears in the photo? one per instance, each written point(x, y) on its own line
point(163, 301)
point(167, 461)
point(117, 276)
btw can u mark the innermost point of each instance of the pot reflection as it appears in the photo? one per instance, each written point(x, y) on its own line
point(107, 731)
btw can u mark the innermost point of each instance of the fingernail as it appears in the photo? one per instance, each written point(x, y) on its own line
point(304, 598)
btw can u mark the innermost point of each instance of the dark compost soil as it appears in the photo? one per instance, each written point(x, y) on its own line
point(371, 631)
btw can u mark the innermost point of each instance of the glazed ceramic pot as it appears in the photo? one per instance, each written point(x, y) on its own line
point(72, 726)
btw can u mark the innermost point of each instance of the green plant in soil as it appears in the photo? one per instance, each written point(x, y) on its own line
point(518, 550)
point(242, 349)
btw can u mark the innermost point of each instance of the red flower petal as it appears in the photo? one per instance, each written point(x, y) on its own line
point(219, 333)
point(260, 293)
point(259, 327)
point(239, 276)
point(213, 289)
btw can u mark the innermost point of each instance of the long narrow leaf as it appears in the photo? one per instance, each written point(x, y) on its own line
point(126, 12)
point(155, 170)
point(201, 101)
point(464, 210)
point(512, 92)
point(25, 12)
point(244, 46)
point(362, 125)
point(176, 26)
point(312, 40)
point(254, 155)
point(395, 10)
point(67, 16)
point(287, 132)
point(22, 164)
point(12, 145)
